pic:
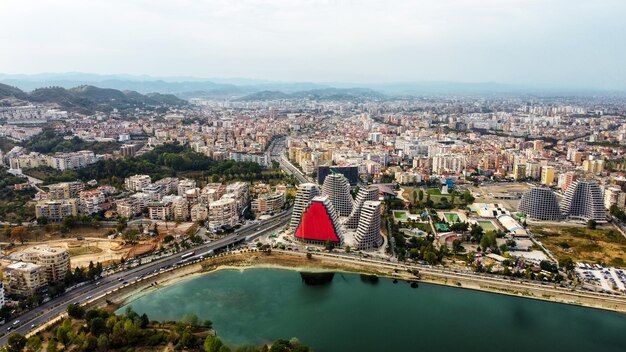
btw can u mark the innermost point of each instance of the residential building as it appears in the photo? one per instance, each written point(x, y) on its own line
point(547, 175)
point(368, 193)
point(137, 182)
point(319, 223)
point(24, 279)
point(223, 212)
point(268, 203)
point(368, 231)
point(72, 161)
point(540, 203)
point(337, 188)
point(55, 261)
point(199, 212)
point(613, 195)
point(306, 192)
point(56, 210)
point(65, 190)
point(185, 185)
point(583, 200)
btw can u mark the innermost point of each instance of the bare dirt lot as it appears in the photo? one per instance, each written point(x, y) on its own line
point(604, 244)
point(496, 192)
point(82, 252)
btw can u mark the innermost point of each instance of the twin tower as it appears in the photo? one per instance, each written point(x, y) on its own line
point(333, 215)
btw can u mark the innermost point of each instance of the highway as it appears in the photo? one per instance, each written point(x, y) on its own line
point(277, 150)
point(58, 305)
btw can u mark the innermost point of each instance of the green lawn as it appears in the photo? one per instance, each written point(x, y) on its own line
point(486, 225)
point(452, 217)
point(400, 215)
point(434, 191)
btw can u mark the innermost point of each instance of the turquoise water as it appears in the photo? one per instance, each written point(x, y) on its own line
point(261, 305)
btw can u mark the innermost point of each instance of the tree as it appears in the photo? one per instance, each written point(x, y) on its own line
point(191, 319)
point(212, 344)
point(430, 257)
point(16, 342)
point(420, 195)
point(103, 342)
point(34, 344)
point(144, 321)
point(309, 255)
point(97, 326)
point(592, 224)
point(488, 240)
point(456, 246)
point(75, 311)
point(566, 263)
point(18, 233)
point(52, 345)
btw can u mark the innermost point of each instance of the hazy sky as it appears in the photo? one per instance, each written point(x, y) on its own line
point(539, 42)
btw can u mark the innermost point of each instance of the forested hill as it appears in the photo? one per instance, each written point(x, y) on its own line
point(88, 99)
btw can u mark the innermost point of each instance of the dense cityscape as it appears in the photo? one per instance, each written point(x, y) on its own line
point(319, 175)
point(524, 188)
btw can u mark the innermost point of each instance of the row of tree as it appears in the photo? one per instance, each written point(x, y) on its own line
point(100, 330)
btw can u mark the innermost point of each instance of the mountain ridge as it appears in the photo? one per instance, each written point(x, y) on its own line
point(88, 99)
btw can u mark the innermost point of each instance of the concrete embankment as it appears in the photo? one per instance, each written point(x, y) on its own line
point(330, 262)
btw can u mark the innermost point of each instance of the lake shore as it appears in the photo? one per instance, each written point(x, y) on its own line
point(323, 262)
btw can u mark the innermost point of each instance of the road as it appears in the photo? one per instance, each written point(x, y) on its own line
point(58, 305)
point(277, 150)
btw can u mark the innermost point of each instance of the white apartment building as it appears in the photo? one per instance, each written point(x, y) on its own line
point(72, 161)
point(337, 187)
point(137, 182)
point(368, 232)
point(223, 212)
point(306, 192)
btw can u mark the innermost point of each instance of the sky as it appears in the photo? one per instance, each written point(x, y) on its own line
point(552, 43)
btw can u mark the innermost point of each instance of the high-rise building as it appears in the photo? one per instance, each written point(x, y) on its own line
point(595, 166)
point(519, 171)
point(368, 232)
point(566, 180)
point(584, 200)
point(533, 170)
point(364, 194)
point(223, 212)
point(319, 223)
point(350, 172)
point(306, 192)
point(547, 175)
point(337, 188)
point(540, 203)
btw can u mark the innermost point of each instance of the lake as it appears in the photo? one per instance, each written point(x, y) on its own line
point(349, 314)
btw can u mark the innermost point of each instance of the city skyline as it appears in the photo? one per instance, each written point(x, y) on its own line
point(524, 43)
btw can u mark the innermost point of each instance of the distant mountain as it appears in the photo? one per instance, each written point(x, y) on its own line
point(87, 99)
point(316, 94)
point(264, 95)
point(7, 92)
point(183, 87)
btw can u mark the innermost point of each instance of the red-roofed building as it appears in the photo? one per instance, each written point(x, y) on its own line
point(319, 223)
